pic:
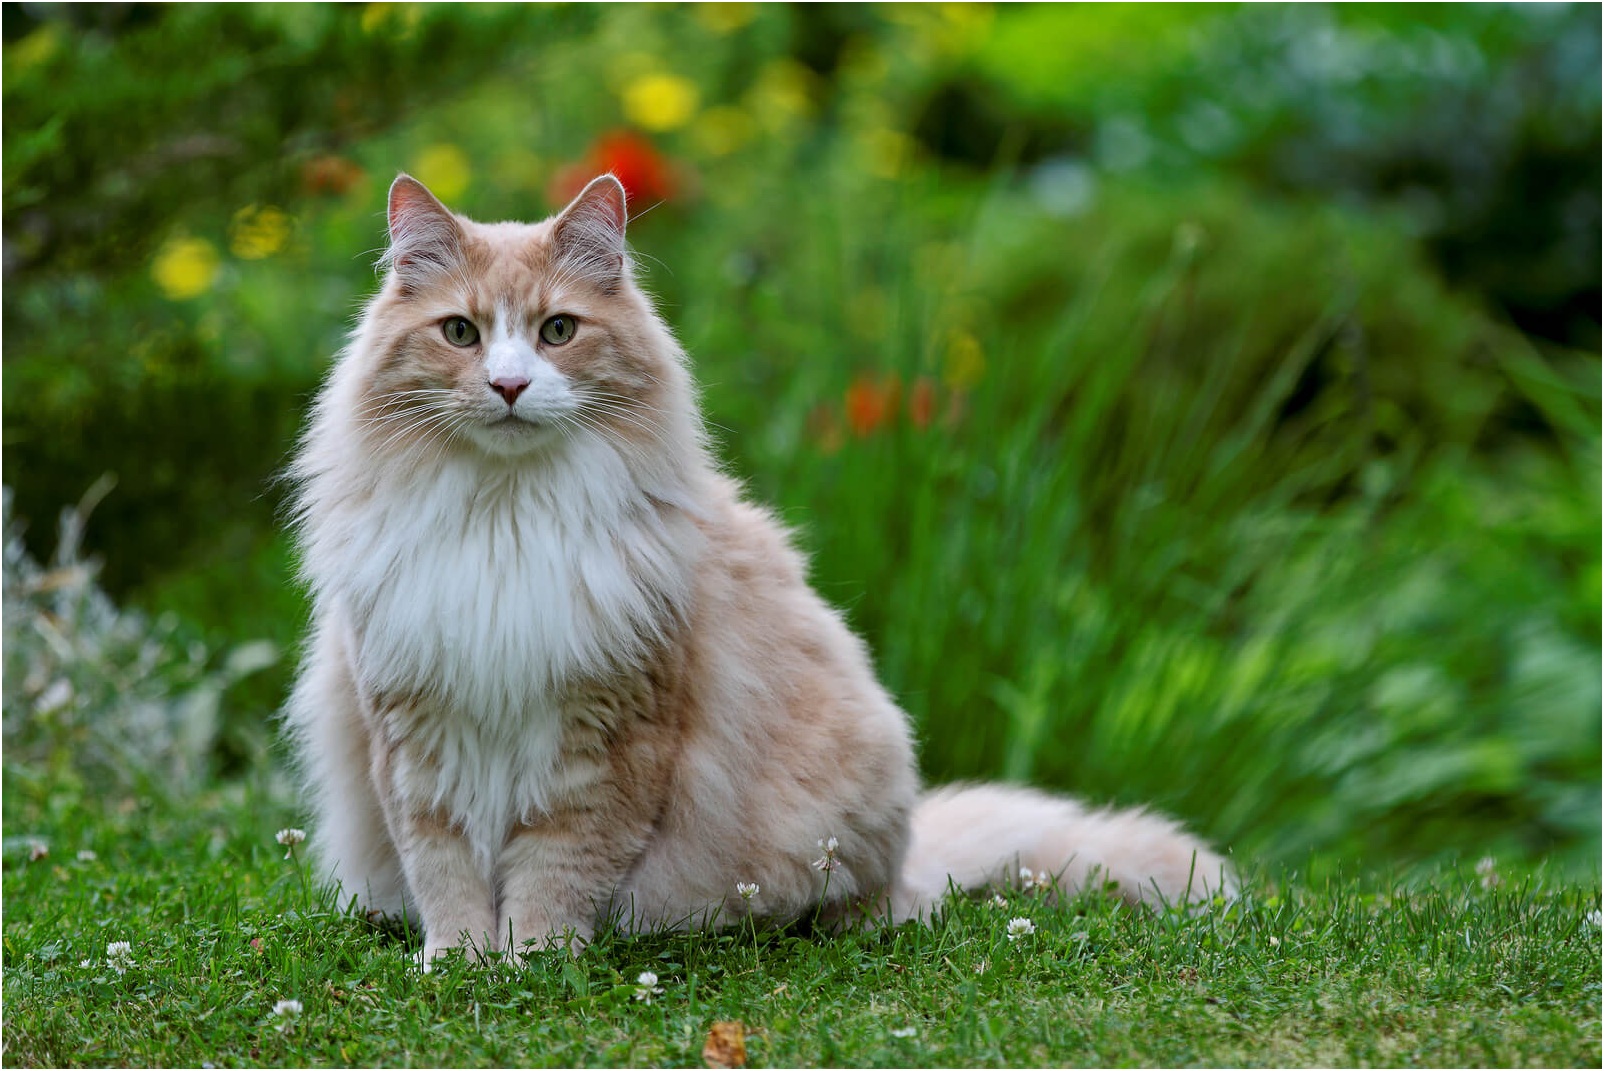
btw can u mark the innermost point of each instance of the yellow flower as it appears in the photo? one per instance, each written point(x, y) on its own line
point(259, 231)
point(185, 267)
point(660, 102)
point(966, 361)
point(443, 168)
point(727, 17)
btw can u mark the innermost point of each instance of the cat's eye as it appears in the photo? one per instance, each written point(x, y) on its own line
point(460, 332)
point(557, 330)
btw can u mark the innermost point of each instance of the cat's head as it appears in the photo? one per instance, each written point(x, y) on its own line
point(509, 339)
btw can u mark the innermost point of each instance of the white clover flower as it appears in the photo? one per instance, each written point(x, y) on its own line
point(87, 855)
point(86, 963)
point(904, 1032)
point(747, 889)
point(286, 1012)
point(1595, 919)
point(1487, 871)
point(1018, 928)
point(998, 900)
point(119, 956)
point(1034, 879)
point(828, 861)
point(290, 838)
point(647, 987)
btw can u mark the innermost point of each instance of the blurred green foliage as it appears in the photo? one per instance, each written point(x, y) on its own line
point(1196, 404)
point(99, 695)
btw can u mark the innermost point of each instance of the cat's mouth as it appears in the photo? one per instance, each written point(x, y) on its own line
point(510, 421)
point(525, 418)
point(514, 434)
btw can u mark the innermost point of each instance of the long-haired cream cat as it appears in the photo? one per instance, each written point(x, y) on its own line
point(561, 673)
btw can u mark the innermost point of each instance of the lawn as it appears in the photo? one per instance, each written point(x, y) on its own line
point(1467, 966)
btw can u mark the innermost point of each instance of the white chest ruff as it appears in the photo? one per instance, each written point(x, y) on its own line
point(480, 597)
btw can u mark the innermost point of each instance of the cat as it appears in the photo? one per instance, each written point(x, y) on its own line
point(560, 673)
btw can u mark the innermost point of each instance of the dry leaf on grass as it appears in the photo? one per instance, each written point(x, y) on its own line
point(726, 1045)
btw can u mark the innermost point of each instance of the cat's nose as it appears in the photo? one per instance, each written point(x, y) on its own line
point(509, 388)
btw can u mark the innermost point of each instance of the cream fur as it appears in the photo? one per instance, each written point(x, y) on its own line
point(559, 670)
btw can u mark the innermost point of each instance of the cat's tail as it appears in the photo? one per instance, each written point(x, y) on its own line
point(975, 836)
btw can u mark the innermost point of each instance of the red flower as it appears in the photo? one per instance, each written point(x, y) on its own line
point(871, 403)
point(648, 176)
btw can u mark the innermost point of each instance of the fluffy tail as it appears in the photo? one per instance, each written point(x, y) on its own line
point(976, 836)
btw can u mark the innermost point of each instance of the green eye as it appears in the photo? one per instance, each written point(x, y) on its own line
point(557, 330)
point(460, 332)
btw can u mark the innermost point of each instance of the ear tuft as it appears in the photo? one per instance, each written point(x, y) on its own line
point(425, 237)
point(589, 234)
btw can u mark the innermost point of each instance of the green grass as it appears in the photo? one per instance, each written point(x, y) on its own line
point(1440, 971)
point(1226, 500)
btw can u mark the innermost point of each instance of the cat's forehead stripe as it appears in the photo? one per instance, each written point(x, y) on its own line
point(512, 271)
point(507, 256)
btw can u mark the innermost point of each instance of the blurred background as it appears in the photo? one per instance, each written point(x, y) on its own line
point(1193, 404)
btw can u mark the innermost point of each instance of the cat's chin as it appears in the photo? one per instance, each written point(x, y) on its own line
point(513, 437)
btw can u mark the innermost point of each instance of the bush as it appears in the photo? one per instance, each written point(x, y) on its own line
point(97, 699)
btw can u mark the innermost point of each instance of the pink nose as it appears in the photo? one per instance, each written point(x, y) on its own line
point(509, 388)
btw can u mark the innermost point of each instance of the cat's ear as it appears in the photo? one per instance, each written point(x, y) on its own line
point(589, 234)
point(425, 238)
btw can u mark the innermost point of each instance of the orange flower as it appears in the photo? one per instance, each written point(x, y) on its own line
point(871, 403)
